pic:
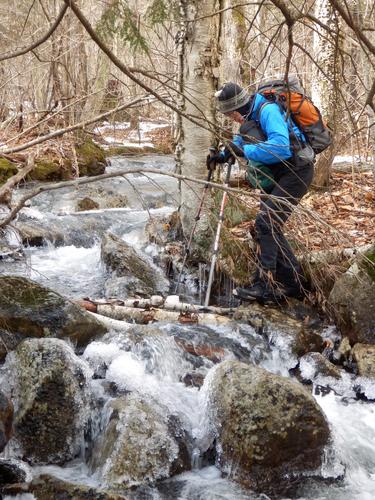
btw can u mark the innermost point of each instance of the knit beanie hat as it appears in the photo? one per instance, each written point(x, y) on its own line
point(231, 97)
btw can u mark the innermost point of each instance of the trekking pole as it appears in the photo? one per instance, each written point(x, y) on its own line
point(213, 152)
point(218, 231)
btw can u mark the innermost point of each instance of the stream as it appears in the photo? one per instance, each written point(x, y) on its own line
point(156, 368)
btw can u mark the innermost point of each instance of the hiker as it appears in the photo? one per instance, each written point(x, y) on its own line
point(284, 160)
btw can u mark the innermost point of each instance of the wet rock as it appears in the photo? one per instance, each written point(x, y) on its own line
point(91, 158)
point(193, 379)
point(11, 472)
point(353, 300)
point(273, 323)
point(344, 348)
point(265, 446)
point(28, 309)
point(36, 235)
point(161, 230)
point(48, 487)
point(8, 342)
point(141, 443)
point(125, 262)
point(127, 286)
point(49, 387)
point(6, 420)
point(364, 356)
point(87, 204)
point(314, 365)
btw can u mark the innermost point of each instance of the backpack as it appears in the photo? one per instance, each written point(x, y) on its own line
point(292, 99)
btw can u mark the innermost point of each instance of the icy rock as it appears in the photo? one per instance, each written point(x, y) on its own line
point(267, 427)
point(314, 365)
point(28, 309)
point(49, 386)
point(141, 443)
point(13, 471)
point(125, 262)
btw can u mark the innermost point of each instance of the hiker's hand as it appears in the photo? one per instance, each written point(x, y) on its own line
point(213, 159)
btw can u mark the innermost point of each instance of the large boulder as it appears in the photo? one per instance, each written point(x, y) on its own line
point(137, 270)
point(49, 386)
point(353, 300)
point(6, 420)
point(28, 309)
point(142, 443)
point(269, 428)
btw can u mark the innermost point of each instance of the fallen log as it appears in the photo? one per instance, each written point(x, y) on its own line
point(171, 303)
point(152, 315)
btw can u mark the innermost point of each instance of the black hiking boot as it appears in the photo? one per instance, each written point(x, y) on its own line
point(260, 292)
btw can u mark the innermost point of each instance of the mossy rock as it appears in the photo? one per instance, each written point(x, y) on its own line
point(91, 158)
point(46, 170)
point(87, 204)
point(130, 150)
point(7, 170)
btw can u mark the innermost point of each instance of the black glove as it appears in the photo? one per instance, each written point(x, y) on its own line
point(213, 159)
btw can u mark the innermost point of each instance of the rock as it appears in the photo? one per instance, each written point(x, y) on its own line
point(161, 230)
point(142, 443)
point(48, 487)
point(344, 348)
point(28, 309)
point(364, 356)
point(353, 300)
point(7, 170)
point(277, 326)
point(314, 364)
point(49, 386)
point(91, 158)
point(6, 420)
point(12, 471)
point(125, 262)
point(8, 342)
point(127, 286)
point(86, 204)
point(36, 235)
point(268, 427)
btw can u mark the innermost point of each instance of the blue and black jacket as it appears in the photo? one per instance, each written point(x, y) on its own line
point(277, 147)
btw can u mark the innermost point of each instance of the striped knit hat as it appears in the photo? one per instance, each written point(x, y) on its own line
point(231, 97)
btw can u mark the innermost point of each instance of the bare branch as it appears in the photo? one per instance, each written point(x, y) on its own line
point(36, 44)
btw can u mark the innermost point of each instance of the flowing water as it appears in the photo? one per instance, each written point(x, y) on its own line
point(156, 367)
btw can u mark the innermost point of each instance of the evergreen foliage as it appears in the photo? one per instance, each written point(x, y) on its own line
point(121, 20)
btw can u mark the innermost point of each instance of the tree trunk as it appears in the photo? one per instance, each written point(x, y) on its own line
point(198, 86)
point(326, 84)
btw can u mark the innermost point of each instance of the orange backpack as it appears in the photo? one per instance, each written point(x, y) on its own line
point(291, 97)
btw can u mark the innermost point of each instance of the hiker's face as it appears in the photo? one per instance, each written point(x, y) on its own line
point(235, 116)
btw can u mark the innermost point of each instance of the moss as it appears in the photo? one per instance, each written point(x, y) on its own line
point(130, 150)
point(91, 158)
point(46, 170)
point(7, 170)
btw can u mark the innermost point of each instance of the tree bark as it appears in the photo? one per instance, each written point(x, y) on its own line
point(325, 89)
point(199, 87)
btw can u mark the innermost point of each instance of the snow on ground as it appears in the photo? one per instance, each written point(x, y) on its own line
point(120, 134)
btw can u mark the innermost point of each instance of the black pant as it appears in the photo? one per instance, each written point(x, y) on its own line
point(275, 255)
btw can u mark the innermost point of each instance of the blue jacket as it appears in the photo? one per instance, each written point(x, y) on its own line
point(275, 127)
